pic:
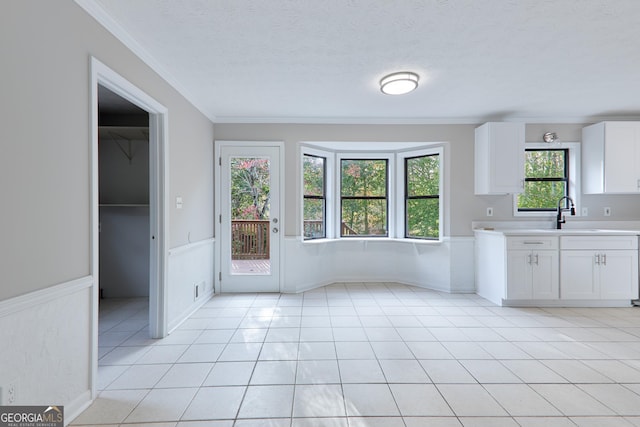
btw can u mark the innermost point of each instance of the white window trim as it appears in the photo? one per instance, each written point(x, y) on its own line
point(395, 187)
point(328, 190)
point(400, 190)
point(391, 196)
point(574, 177)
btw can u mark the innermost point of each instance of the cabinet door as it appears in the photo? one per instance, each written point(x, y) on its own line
point(578, 275)
point(621, 157)
point(519, 275)
point(546, 275)
point(618, 275)
point(499, 158)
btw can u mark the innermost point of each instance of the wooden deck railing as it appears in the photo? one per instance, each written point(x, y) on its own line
point(250, 239)
point(313, 228)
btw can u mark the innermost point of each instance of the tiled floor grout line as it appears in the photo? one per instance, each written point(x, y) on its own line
point(609, 333)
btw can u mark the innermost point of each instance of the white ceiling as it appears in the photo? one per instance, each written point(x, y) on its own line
point(321, 60)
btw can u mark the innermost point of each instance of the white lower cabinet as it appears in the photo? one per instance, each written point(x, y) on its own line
point(551, 269)
point(532, 274)
point(597, 274)
point(532, 267)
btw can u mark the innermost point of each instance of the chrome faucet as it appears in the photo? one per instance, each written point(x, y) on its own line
point(560, 219)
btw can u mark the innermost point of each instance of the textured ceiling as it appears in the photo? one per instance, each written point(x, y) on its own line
point(321, 60)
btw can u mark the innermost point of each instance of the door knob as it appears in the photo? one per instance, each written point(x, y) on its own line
point(275, 229)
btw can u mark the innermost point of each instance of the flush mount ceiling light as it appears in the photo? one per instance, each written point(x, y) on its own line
point(399, 83)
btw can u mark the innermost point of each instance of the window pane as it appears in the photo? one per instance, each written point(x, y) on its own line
point(313, 218)
point(423, 178)
point(313, 169)
point(364, 178)
point(541, 195)
point(249, 188)
point(544, 164)
point(423, 218)
point(364, 217)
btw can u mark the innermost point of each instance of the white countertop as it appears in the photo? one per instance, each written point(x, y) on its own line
point(556, 232)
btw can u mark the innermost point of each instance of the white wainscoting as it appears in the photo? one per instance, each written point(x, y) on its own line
point(189, 265)
point(46, 346)
point(444, 266)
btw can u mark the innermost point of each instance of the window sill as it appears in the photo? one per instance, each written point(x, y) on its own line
point(374, 239)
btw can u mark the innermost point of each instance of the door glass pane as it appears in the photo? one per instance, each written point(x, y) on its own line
point(250, 223)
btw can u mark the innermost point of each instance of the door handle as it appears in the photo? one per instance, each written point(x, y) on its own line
point(275, 229)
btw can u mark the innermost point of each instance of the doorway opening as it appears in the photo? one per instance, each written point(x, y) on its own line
point(120, 198)
point(124, 220)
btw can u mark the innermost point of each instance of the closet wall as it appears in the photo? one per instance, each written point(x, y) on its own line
point(124, 211)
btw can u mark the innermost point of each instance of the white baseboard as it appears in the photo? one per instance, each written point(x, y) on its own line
point(76, 407)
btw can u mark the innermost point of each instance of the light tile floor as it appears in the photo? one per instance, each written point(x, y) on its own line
point(368, 355)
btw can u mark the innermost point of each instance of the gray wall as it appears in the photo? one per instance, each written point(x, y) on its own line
point(44, 163)
point(464, 206)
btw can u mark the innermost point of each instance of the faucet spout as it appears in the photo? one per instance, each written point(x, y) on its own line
point(560, 219)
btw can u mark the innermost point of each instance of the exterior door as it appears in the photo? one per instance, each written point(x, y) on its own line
point(249, 218)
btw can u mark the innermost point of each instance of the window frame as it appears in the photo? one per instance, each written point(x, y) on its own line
point(407, 197)
point(572, 164)
point(322, 197)
point(368, 157)
point(395, 185)
point(401, 188)
point(329, 221)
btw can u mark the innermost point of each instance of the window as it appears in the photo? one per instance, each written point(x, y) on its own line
point(546, 180)
point(363, 197)
point(386, 190)
point(314, 203)
point(422, 194)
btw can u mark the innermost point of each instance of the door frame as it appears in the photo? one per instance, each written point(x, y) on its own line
point(217, 267)
point(158, 207)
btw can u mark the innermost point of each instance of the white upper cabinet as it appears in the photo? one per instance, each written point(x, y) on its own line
point(499, 158)
point(611, 158)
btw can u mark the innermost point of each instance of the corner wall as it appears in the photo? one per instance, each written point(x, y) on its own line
point(45, 175)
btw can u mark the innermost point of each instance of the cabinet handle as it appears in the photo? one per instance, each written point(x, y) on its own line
point(638, 184)
point(531, 242)
point(597, 259)
point(529, 259)
point(604, 259)
point(536, 259)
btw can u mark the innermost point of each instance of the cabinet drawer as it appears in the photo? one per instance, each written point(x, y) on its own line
point(599, 242)
point(532, 242)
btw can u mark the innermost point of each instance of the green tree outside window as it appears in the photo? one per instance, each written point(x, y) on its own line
point(546, 180)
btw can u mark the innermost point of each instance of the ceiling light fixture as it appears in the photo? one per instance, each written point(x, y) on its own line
point(550, 137)
point(399, 83)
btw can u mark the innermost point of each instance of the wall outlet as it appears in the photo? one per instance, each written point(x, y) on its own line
point(607, 211)
point(585, 212)
point(489, 211)
point(198, 290)
point(9, 393)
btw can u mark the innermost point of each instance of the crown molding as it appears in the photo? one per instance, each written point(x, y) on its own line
point(112, 26)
